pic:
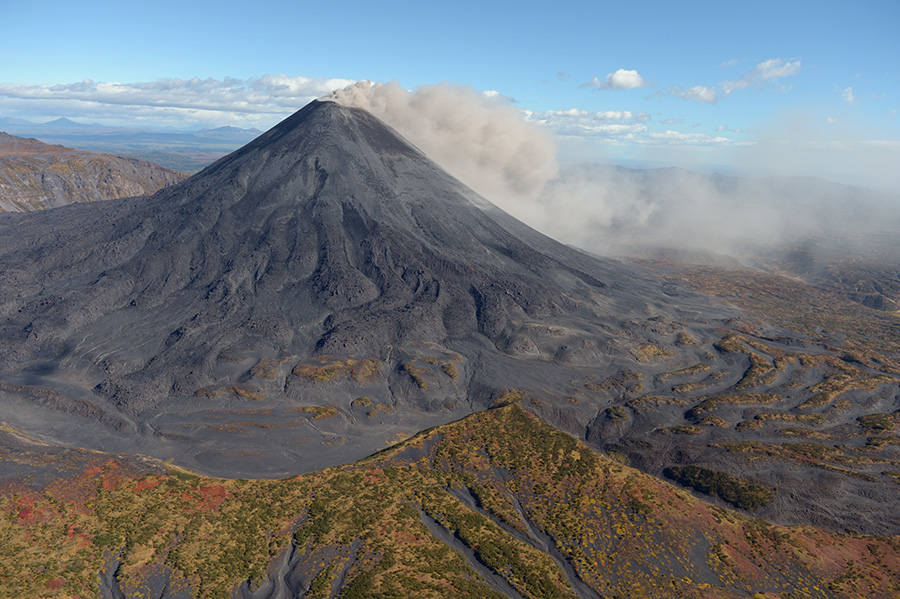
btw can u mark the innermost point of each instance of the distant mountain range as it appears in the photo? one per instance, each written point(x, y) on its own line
point(35, 175)
point(186, 151)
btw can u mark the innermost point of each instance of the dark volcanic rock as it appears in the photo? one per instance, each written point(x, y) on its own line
point(328, 238)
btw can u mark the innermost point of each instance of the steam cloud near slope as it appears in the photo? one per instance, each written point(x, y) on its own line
point(487, 143)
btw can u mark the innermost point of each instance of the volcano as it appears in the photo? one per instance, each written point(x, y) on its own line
point(302, 302)
point(327, 291)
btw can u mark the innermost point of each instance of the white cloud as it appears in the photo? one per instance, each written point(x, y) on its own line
point(608, 124)
point(625, 127)
point(687, 139)
point(722, 128)
point(729, 87)
point(263, 100)
point(698, 93)
point(603, 115)
point(831, 120)
point(762, 74)
point(621, 79)
point(614, 115)
point(847, 94)
point(774, 68)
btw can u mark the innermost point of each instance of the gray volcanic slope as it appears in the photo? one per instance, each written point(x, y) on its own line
point(301, 303)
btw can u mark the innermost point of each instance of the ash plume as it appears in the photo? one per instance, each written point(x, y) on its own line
point(481, 139)
point(488, 144)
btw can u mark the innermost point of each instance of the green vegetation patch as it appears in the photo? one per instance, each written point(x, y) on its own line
point(450, 370)
point(649, 402)
point(683, 430)
point(877, 442)
point(690, 370)
point(616, 413)
point(326, 369)
point(843, 377)
point(251, 393)
point(878, 423)
point(379, 409)
point(685, 338)
point(687, 387)
point(416, 373)
point(816, 455)
point(813, 450)
point(714, 421)
point(627, 380)
point(739, 492)
point(788, 417)
point(760, 372)
point(651, 352)
point(818, 400)
point(317, 412)
point(268, 368)
point(507, 397)
point(731, 344)
point(738, 399)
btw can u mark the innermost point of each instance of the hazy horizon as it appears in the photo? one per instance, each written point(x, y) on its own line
point(773, 88)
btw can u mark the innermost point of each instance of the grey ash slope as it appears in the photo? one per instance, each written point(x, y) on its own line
point(329, 235)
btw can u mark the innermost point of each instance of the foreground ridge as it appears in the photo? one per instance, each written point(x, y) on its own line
point(498, 504)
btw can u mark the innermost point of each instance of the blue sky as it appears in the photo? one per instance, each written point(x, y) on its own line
point(792, 87)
